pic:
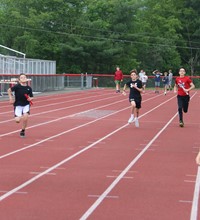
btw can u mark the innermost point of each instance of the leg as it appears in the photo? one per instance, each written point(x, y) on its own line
point(131, 119)
point(25, 121)
point(137, 109)
point(186, 100)
point(117, 86)
point(180, 110)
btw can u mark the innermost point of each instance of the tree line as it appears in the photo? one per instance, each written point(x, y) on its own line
point(95, 36)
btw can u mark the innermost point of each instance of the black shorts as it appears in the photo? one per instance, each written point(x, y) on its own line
point(137, 102)
point(183, 102)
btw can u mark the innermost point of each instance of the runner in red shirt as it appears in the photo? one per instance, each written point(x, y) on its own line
point(118, 79)
point(184, 85)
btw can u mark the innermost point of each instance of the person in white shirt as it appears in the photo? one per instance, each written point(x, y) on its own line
point(144, 79)
point(170, 77)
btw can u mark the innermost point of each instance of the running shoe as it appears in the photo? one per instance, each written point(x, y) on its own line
point(137, 123)
point(131, 119)
point(181, 124)
point(22, 133)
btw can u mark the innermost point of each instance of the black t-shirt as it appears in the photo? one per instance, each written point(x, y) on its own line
point(134, 93)
point(20, 91)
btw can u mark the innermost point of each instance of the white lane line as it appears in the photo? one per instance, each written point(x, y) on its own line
point(194, 210)
point(30, 181)
point(57, 103)
point(123, 173)
point(64, 108)
point(75, 128)
point(116, 181)
point(65, 117)
point(3, 191)
point(35, 173)
point(124, 177)
point(108, 197)
point(185, 201)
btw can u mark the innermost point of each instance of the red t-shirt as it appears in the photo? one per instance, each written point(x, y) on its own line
point(185, 82)
point(118, 75)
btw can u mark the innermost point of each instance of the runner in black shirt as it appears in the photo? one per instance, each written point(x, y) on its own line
point(21, 103)
point(135, 97)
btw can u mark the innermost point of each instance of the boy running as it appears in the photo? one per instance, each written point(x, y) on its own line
point(135, 97)
point(21, 103)
point(184, 84)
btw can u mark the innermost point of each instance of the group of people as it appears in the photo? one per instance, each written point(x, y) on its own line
point(23, 96)
point(166, 79)
point(183, 84)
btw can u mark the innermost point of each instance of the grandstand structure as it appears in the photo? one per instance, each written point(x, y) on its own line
point(15, 62)
point(40, 72)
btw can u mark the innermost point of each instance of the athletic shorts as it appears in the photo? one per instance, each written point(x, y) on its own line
point(183, 102)
point(117, 81)
point(137, 102)
point(157, 84)
point(20, 110)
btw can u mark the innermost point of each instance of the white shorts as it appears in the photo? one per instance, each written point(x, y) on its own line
point(20, 110)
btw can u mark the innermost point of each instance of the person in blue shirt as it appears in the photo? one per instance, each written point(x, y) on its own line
point(165, 81)
point(157, 75)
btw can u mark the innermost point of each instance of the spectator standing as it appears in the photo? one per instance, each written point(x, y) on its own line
point(118, 77)
point(170, 76)
point(157, 75)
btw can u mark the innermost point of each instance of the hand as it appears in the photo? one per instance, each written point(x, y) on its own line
point(198, 159)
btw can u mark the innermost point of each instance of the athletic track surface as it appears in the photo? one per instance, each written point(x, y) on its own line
point(80, 159)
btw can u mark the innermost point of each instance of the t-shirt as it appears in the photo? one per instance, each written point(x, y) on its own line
point(157, 77)
point(165, 80)
point(20, 91)
point(134, 93)
point(183, 82)
point(118, 75)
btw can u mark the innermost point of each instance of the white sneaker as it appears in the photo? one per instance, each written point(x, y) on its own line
point(131, 119)
point(137, 123)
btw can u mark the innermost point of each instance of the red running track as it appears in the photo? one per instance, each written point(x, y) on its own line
point(81, 160)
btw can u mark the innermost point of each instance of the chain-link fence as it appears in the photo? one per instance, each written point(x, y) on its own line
point(52, 82)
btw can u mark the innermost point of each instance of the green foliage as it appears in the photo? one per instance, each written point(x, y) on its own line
point(95, 36)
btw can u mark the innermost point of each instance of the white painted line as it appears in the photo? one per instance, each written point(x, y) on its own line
point(124, 177)
point(108, 197)
point(185, 201)
point(80, 126)
point(191, 175)
point(119, 171)
point(59, 168)
point(189, 181)
point(194, 211)
point(15, 192)
point(116, 181)
point(35, 173)
point(30, 181)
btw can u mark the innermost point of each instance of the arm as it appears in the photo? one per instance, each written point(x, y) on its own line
point(192, 86)
point(175, 88)
point(10, 96)
point(139, 89)
point(198, 158)
point(124, 89)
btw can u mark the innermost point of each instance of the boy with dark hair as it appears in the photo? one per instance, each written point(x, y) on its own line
point(23, 96)
point(184, 84)
point(135, 97)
